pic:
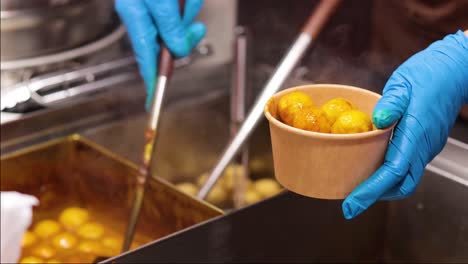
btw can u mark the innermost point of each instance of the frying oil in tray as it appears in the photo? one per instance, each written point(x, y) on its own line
point(74, 235)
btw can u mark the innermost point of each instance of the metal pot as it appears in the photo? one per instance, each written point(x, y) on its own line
point(33, 28)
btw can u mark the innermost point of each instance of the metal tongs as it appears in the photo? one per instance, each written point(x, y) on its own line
point(166, 62)
point(309, 33)
point(239, 95)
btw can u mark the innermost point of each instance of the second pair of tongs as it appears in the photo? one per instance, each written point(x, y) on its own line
point(314, 25)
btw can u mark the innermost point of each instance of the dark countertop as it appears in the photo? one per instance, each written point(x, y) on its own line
point(287, 228)
point(430, 226)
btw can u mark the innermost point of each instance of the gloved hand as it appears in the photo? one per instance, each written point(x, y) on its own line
point(146, 20)
point(425, 94)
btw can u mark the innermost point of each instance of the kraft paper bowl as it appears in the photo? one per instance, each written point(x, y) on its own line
point(322, 165)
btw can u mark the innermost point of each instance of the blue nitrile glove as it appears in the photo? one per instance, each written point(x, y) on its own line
point(425, 94)
point(146, 20)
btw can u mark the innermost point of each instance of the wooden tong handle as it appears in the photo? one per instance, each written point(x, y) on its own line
point(319, 17)
point(166, 61)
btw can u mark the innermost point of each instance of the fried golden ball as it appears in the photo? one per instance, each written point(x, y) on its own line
point(91, 247)
point(249, 184)
point(44, 251)
point(292, 103)
point(56, 261)
point(113, 243)
point(335, 107)
point(73, 217)
point(31, 260)
point(187, 188)
point(312, 119)
point(266, 187)
point(229, 177)
point(202, 179)
point(29, 238)
point(91, 231)
point(251, 196)
point(217, 195)
point(353, 121)
point(46, 228)
point(135, 245)
point(64, 241)
point(79, 259)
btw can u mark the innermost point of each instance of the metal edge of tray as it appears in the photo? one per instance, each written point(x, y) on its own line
point(102, 150)
point(452, 162)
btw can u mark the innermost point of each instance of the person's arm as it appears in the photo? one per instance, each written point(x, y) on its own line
point(146, 20)
point(424, 95)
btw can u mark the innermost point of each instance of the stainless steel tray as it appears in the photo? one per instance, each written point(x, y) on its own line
point(75, 171)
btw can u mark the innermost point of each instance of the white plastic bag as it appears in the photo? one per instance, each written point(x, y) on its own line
point(16, 217)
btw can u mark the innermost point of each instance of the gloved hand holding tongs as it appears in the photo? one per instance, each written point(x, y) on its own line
point(146, 20)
